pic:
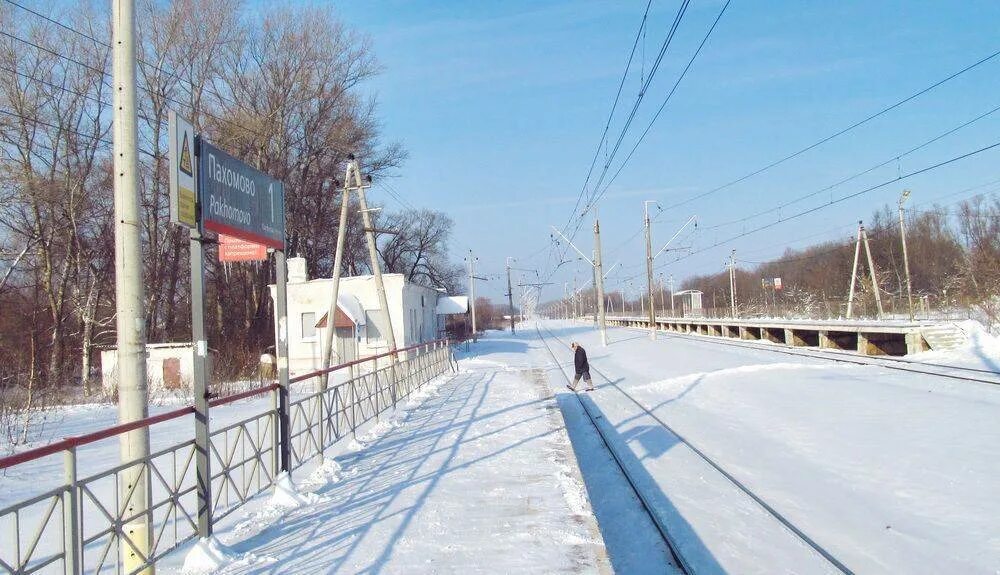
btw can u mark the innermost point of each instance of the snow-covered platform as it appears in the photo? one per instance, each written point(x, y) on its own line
point(476, 474)
point(890, 337)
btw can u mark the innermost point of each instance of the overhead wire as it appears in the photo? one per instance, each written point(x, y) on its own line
point(840, 132)
point(856, 175)
point(668, 39)
point(842, 199)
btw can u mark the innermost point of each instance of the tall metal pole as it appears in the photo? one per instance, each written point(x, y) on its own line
point(510, 297)
point(281, 349)
point(323, 383)
point(732, 282)
point(649, 268)
point(132, 385)
point(599, 282)
point(200, 383)
point(472, 292)
point(906, 258)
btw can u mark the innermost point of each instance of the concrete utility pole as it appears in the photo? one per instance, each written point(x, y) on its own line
point(732, 283)
point(671, 280)
point(576, 299)
point(863, 239)
point(871, 272)
point(854, 273)
point(323, 382)
point(649, 268)
point(906, 258)
point(510, 296)
point(132, 385)
point(338, 260)
point(599, 282)
point(472, 290)
point(366, 220)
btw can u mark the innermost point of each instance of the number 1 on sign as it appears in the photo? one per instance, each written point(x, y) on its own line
point(270, 193)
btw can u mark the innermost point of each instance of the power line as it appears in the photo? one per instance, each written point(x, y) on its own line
point(682, 9)
point(666, 100)
point(859, 174)
point(149, 90)
point(642, 92)
point(841, 132)
point(614, 106)
point(91, 137)
point(842, 199)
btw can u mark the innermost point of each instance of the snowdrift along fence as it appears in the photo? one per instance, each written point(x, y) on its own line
point(86, 525)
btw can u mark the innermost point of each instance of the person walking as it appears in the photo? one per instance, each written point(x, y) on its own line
point(582, 367)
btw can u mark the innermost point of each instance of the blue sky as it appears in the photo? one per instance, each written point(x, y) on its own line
point(501, 106)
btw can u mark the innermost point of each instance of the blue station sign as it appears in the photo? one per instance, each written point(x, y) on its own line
point(240, 201)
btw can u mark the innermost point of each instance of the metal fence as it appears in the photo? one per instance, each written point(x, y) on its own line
point(89, 524)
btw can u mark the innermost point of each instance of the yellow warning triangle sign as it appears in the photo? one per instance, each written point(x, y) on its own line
point(185, 161)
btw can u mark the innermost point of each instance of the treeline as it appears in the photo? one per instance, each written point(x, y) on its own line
point(278, 87)
point(954, 257)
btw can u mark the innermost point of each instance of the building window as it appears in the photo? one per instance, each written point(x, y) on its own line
point(422, 304)
point(375, 326)
point(308, 325)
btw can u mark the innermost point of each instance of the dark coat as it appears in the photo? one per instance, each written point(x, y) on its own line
point(580, 360)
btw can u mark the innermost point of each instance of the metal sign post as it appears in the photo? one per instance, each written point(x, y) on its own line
point(240, 201)
point(183, 170)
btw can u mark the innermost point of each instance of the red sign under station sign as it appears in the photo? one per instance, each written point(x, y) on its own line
point(236, 250)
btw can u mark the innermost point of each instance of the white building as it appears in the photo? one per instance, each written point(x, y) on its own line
point(169, 367)
point(360, 323)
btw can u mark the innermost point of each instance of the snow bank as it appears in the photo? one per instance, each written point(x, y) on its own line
point(981, 351)
point(210, 556)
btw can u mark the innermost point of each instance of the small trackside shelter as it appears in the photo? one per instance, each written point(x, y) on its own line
point(690, 303)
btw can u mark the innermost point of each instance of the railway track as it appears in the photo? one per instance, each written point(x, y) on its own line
point(956, 372)
point(664, 532)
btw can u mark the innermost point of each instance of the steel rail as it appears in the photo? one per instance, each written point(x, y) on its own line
point(679, 560)
point(733, 480)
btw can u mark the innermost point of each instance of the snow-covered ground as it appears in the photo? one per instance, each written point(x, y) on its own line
point(890, 472)
point(477, 476)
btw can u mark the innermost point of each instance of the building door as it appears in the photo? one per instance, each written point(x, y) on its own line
point(346, 346)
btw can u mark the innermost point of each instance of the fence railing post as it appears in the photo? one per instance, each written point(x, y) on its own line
point(354, 414)
point(275, 432)
point(72, 535)
point(322, 423)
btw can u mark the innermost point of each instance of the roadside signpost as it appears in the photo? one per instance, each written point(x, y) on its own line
point(213, 191)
